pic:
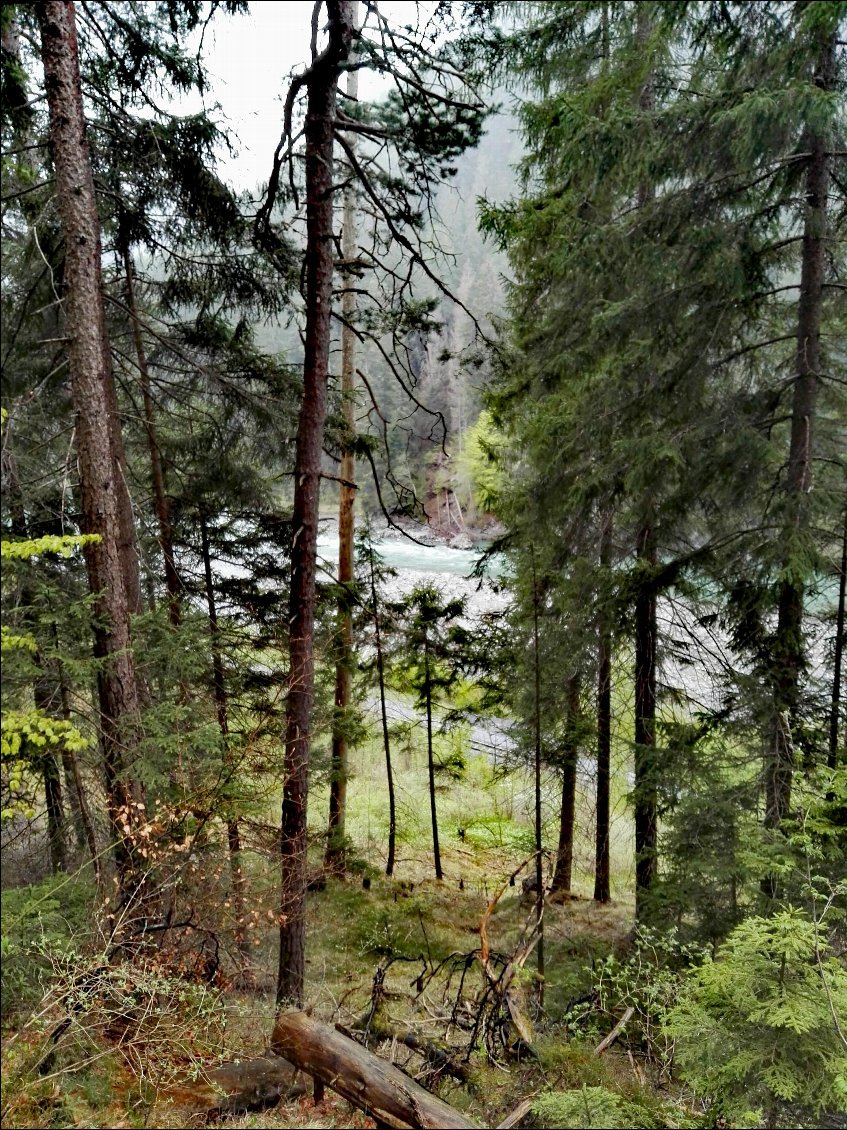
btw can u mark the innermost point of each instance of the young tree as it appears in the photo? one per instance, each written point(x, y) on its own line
point(375, 575)
point(429, 659)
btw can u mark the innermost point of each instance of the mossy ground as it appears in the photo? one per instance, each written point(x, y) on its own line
point(410, 923)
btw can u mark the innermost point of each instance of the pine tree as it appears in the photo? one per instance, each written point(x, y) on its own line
point(655, 290)
point(90, 367)
point(426, 124)
point(430, 660)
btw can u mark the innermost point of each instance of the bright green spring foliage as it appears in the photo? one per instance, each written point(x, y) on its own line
point(64, 544)
point(763, 1024)
point(587, 1108)
point(25, 733)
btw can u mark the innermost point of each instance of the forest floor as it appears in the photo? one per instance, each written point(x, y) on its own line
point(109, 1070)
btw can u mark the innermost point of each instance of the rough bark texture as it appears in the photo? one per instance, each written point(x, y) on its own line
point(838, 657)
point(788, 643)
point(602, 888)
point(160, 497)
point(564, 856)
point(645, 727)
point(372, 1084)
point(335, 851)
point(90, 371)
point(645, 618)
point(321, 87)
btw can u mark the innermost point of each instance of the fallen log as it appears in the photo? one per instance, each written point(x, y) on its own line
point(439, 1058)
point(238, 1088)
point(615, 1032)
point(376, 1087)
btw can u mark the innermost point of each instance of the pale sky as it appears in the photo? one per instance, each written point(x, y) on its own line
point(249, 59)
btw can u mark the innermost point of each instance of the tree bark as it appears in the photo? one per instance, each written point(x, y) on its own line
point(539, 828)
point(563, 874)
point(838, 657)
point(436, 851)
point(336, 844)
point(55, 813)
point(161, 503)
point(233, 833)
point(645, 618)
point(386, 741)
point(84, 825)
point(788, 658)
point(371, 1084)
point(602, 883)
point(321, 87)
point(645, 727)
point(90, 371)
point(127, 544)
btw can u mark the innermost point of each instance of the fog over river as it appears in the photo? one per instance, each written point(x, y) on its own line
point(696, 662)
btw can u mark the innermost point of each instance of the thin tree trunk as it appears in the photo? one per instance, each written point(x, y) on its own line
point(380, 668)
point(233, 833)
point(90, 371)
point(161, 502)
point(127, 544)
point(539, 828)
point(321, 86)
point(439, 874)
point(645, 728)
point(838, 657)
point(73, 780)
point(563, 874)
point(55, 813)
point(335, 859)
point(602, 886)
point(788, 643)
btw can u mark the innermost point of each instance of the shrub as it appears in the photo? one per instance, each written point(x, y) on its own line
point(758, 1028)
point(41, 921)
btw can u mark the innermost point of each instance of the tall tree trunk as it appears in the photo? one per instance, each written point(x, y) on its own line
point(645, 618)
point(161, 502)
point(126, 538)
point(645, 726)
point(233, 833)
point(321, 86)
point(539, 827)
point(602, 879)
point(563, 874)
point(336, 843)
point(90, 371)
point(389, 772)
point(436, 851)
point(838, 657)
point(788, 643)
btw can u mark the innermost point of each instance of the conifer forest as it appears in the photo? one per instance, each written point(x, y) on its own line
point(424, 553)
